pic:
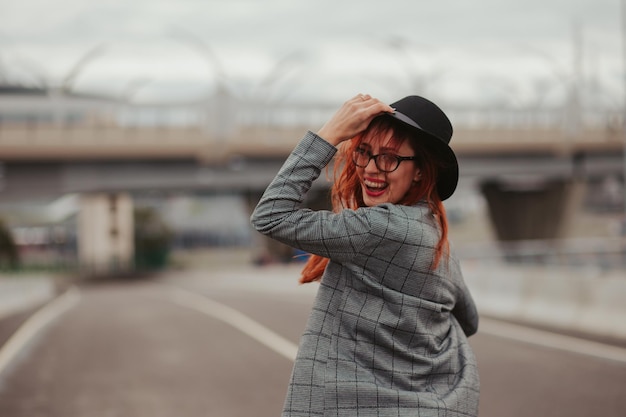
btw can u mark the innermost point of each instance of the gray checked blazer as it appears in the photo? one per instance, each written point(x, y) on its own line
point(387, 335)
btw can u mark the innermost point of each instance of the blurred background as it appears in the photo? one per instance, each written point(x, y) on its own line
point(137, 137)
point(188, 110)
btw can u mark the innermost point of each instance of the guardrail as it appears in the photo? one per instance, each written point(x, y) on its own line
point(602, 253)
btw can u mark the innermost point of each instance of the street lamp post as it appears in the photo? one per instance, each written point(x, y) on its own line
point(623, 27)
point(420, 80)
point(68, 81)
point(222, 107)
point(59, 94)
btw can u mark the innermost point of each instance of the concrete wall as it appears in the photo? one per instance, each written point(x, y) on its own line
point(579, 299)
point(18, 292)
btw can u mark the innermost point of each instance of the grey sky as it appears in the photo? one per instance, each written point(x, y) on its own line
point(482, 50)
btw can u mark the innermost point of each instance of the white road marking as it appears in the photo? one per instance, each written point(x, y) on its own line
point(35, 324)
point(551, 340)
point(492, 327)
point(237, 320)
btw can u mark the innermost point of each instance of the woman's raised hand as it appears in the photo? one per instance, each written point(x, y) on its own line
point(352, 118)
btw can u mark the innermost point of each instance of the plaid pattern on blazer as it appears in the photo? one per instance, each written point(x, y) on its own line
point(387, 336)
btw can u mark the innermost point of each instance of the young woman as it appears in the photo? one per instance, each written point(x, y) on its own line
point(387, 335)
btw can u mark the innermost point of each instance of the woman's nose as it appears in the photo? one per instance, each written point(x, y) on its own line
point(371, 166)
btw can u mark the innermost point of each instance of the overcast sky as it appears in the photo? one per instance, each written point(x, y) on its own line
point(511, 51)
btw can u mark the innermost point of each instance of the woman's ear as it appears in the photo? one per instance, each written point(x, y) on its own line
point(418, 175)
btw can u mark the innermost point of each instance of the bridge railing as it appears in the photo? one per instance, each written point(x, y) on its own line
point(601, 253)
point(209, 115)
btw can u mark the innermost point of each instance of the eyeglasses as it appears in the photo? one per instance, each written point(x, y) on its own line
point(385, 162)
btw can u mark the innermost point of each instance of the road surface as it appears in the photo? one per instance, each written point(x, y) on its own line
point(221, 343)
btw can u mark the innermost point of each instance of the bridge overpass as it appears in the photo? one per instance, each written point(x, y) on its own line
point(531, 165)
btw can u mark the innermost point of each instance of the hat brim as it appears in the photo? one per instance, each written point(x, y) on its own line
point(448, 177)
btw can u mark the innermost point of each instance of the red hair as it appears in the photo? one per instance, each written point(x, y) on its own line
point(346, 192)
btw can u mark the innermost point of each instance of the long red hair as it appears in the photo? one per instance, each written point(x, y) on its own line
point(346, 192)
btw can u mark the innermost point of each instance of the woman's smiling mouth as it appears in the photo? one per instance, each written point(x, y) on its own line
point(374, 188)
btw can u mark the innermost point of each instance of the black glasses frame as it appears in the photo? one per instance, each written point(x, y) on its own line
point(357, 154)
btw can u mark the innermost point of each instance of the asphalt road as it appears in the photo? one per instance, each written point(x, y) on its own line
point(221, 344)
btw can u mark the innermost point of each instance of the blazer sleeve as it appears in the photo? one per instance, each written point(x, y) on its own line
point(464, 309)
point(280, 215)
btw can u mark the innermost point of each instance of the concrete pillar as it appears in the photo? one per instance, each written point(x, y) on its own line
point(105, 233)
point(537, 209)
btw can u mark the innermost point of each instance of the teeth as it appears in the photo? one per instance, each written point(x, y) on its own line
point(372, 184)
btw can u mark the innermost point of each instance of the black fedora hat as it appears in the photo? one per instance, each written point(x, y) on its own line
point(434, 130)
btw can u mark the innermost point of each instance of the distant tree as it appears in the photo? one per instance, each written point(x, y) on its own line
point(152, 239)
point(9, 257)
